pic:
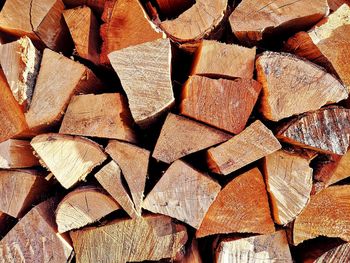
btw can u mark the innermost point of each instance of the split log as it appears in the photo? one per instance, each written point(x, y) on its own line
point(83, 206)
point(327, 214)
point(270, 18)
point(224, 104)
point(255, 142)
point(105, 115)
point(181, 136)
point(96, 5)
point(326, 130)
point(335, 4)
point(192, 254)
point(188, 202)
point(149, 238)
point(338, 254)
point(69, 158)
point(133, 161)
point(144, 71)
point(173, 8)
point(242, 206)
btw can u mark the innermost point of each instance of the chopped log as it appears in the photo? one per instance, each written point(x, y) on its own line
point(270, 18)
point(338, 254)
point(149, 238)
point(83, 206)
point(110, 177)
point(35, 239)
point(105, 115)
point(17, 154)
point(255, 142)
point(144, 71)
point(96, 5)
point(69, 158)
point(192, 254)
point(242, 206)
point(224, 104)
point(181, 136)
point(327, 214)
point(172, 8)
point(133, 161)
point(263, 248)
point(84, 29)
point(188, 202)
point(289, 184)
point(20, 62)
point(335, 4)
point(326, 130)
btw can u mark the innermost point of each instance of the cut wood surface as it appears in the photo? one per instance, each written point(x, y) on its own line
point(149, 238)
point(292, 86)
point(69, 158)
point(338, 254)
point(255, 142)
point(104, 115)
point(181, 136)
point(224, 104)
point(144, 71)
point(188, 202)
point(241, 206)
point(171, 8)
point(335, 4)
point(96, 5)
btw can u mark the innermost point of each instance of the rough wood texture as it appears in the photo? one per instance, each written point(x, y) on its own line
point(327, 214)
point(255, 142)
point(270, 17)
point(83, 206)
point(105, 115)
point(149, 238)
point(181, 136)
point(241, 206)
point(292, 86)
point(326, 130)
point(96, 5)
point(189, 201)
point(171, 8)
point(338, 254)
point(224, 104)
point(69, 158)
point(144, 71)
point(335, 4)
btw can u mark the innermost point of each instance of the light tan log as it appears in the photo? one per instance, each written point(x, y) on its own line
point(338, 254)
point(96, 5)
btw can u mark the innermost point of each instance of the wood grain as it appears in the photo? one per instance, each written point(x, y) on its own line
point(335, 4)
point(171, 8)
point(338, 254)
point(96, 5)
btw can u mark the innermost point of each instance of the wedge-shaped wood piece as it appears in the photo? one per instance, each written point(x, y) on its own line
point(69, 158)
point(188, 202)
point(255, 142)
point(335, 4)
point(144, 71)
point(149, 238)
point(181, 136)
point(110, 177)
point(35, 239)
point(96, 5)
point(225, 104)
point(326, 130)
point(133, 161)
point(83, 206)
point(241, 206)
point(338, 254)
point(105, 115)
point(292, 86)
point(327, 214)
point(272, 17)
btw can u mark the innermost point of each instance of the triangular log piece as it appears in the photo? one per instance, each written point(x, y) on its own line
point(338, 254)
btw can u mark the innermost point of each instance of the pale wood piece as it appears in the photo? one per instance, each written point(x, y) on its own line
point(170, 8)
point(144, 71)
point(271, 17)
point(69, 158)
point(181, 136)
point(326, 130)
point(110, 177)
point(224, 104)
point(292, 86)
point(335, 4)
point(192, 254)
point(327, 214)
point(133, 161)
point(149, 238)
point(242, 206)
point(96, 5)
point(255, 142)
point(338, 254)
point(104, 115)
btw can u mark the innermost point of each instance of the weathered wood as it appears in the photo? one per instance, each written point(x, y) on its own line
point(242, 206)
point(338, 254)
point(69, 158)
point(172, 8)
point(96, 5)
point(224, 104)
point(255, 142)
point(181, 136)
point(292, 86)
point(189, 200)
point(105, 115)
point(149, 238)
point(144, 71)
point(335, 4)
